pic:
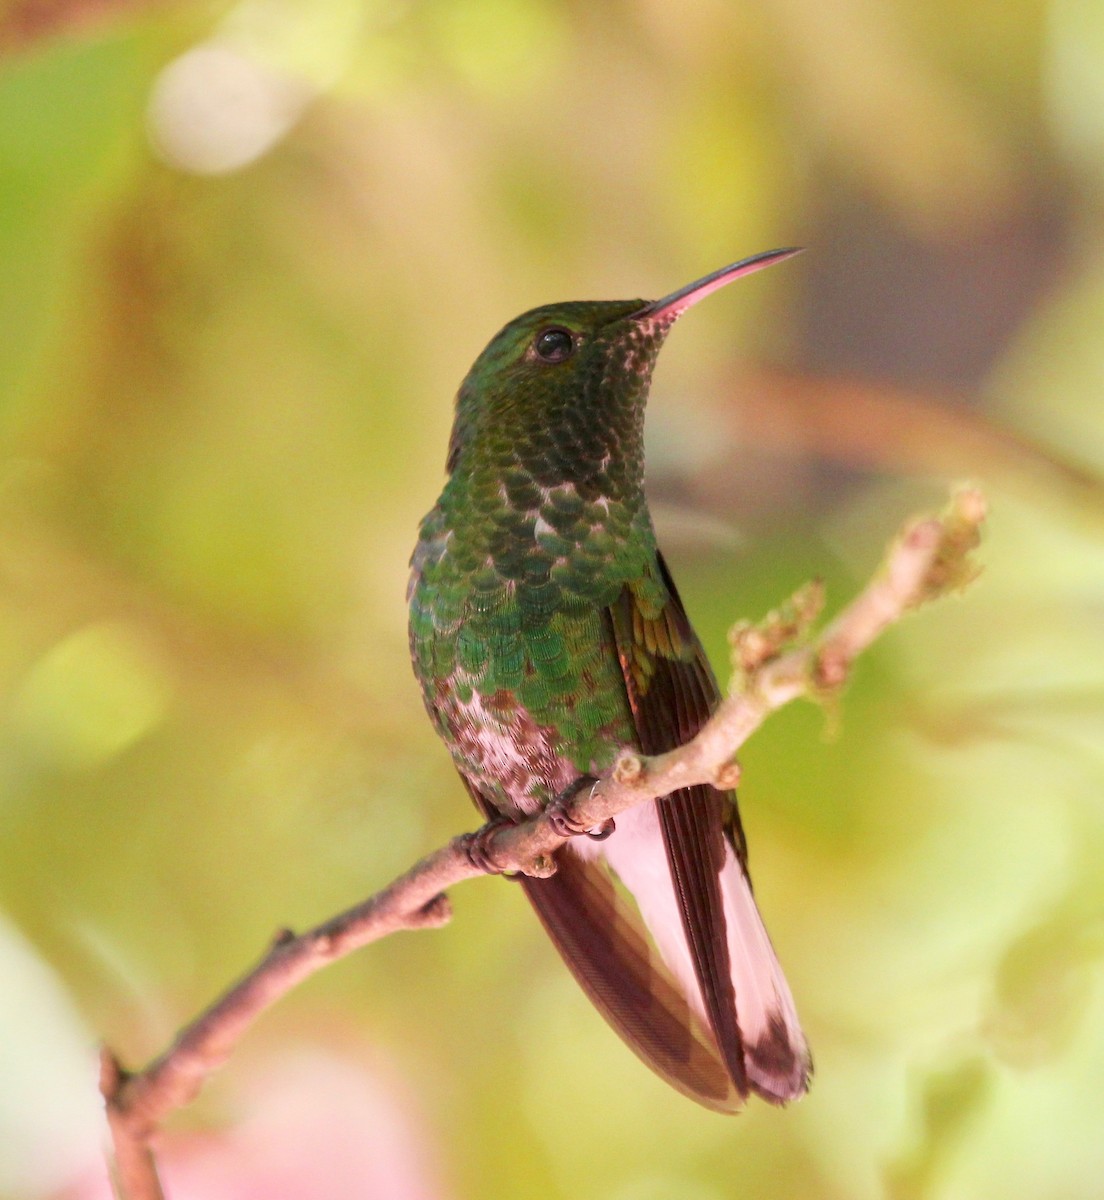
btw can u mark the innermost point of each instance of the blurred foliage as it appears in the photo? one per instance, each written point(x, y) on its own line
point(248, 251)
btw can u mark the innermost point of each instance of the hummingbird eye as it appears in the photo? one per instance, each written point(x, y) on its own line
point(554, 345)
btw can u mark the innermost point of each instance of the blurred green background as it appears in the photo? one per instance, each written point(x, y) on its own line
point(247, 251)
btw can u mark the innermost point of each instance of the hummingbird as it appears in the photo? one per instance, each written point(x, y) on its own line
point(547, 635)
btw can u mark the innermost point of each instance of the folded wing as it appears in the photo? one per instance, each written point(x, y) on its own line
point(707, 925)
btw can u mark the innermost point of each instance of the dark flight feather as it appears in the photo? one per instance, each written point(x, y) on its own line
point(598, 932)
point(671, 696)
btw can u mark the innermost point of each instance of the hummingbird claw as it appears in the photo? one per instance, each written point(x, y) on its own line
point(561, 820)
point(477, 846)
point(600, 832)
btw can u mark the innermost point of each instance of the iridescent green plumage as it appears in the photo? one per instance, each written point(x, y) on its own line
point(541, 523)
point(546, 634)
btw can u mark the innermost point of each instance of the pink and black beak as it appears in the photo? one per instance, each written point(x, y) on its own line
point(668, 310)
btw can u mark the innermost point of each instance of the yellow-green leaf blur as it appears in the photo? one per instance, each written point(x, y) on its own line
point(247, 252)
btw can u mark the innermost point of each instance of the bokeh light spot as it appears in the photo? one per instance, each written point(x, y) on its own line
point(91, 696)
point(216, 109)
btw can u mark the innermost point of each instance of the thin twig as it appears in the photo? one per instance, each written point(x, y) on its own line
point(776, 661)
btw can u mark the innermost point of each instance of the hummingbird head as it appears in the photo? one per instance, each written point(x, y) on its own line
point(562, 388)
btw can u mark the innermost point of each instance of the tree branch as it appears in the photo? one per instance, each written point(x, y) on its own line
point(774, 662)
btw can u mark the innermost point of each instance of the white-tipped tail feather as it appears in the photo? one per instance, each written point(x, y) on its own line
point(776, 1056)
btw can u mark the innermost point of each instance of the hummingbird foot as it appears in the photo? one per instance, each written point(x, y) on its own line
point(564, 824)
point(477, 846)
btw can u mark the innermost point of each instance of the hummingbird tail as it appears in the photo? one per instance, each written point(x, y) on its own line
point(600, 936)
point(776, 1055)
point(761, 1040)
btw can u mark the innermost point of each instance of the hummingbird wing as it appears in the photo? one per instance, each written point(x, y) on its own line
point(710, 933)
point(602, 939)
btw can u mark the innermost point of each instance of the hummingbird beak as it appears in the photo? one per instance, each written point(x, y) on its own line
point(671, 307)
